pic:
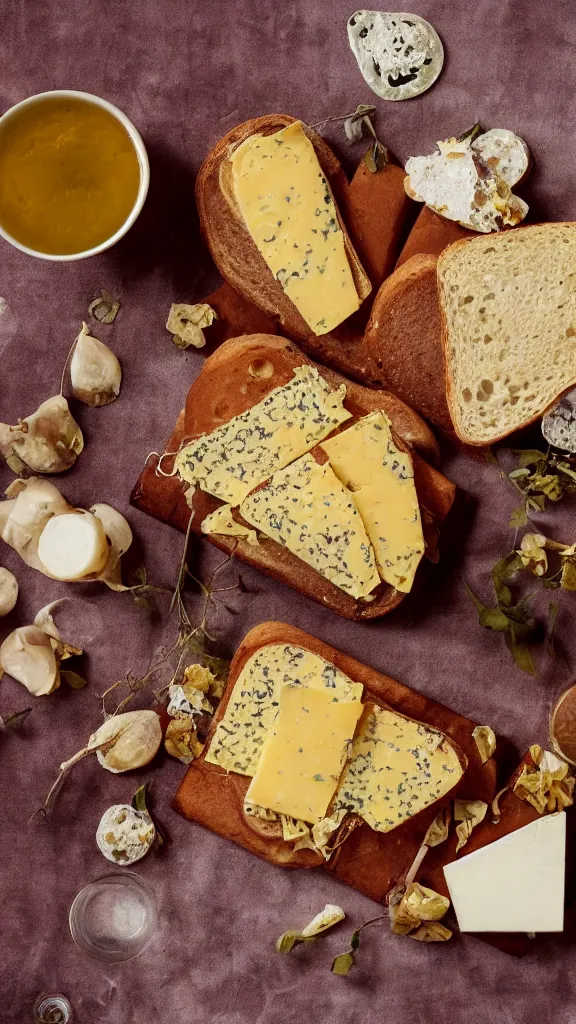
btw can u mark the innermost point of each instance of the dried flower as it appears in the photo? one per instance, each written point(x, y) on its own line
point(548, 787)
point(417, 904)
point(8, 591)
point(48, 441)
point(532, 553)
point(485, 739)
point(95, 372)
point(181, 739)
point(186, 323)
point(327, 918)
point(469, 813)
point(438, 831)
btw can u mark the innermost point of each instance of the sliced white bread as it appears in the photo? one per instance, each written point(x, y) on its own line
point(508, 305)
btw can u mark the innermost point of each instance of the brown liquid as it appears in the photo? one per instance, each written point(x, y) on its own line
point(69, 175)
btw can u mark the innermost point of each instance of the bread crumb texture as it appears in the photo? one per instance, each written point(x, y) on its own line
point(510, 327)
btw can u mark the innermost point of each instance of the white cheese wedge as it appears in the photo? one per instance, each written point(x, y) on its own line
point(253, 705)
point(241, 454)
point(381, 479)
point(306, 509)
point(515, 884)
point(304, 753)
point(73, 545)
point(396, 768)
point(287, 206)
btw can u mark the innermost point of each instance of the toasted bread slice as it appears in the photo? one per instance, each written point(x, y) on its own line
point(236, 315)
point(404, 339)
point(214, 798)
point(431, 234)
point(226, 387)
point(508, 307)
point(228, 239)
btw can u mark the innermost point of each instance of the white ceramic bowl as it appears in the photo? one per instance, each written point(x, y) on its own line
point(142, 160)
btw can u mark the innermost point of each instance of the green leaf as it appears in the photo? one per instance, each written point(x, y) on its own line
point(355, 940)
point(286, 942)
point(476, 600)
point(341, 964)
point(536, 503)
point(139, 798)
point(73, 679)
point(15, 720)
point(518, 518)
point(568, 580)
point(141, 601)
point(470, 134)
point(521, 654)
point(503, 571)
point(565, 468)
point(518, 474)
point(529, 456)
point(494, 618)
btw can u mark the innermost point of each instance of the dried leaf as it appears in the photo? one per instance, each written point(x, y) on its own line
point(342, 963)
point(532, 553)
point(494, 618)
point(502, 573)
point(521, 654)
point(416, 905)
point(529, 456)
point(468, 813)
point(104, 308)
point(327, 918)
point(73, 680)
point(353, 129)
point(431, 931)
point(485, 740)
point(181, 739)
point(475, 600)
point(438, 831)
point(518, 518)
point(285, 943)
point(548, 786)
point(187, 321)
point(15, 720)
point(470, 134)
point(376, 157)
point(568, 576)
point(139, 799)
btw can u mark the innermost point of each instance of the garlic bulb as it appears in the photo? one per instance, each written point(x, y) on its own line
point(127, 741)
point(48, 441)
point(61, 541)
point(29, 657)
point(8, 591)
point(95, 372)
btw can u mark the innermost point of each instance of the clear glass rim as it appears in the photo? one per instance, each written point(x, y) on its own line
point(112, 878)
point(143, 162)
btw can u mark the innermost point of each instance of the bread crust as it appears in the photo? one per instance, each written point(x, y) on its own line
point(224, 389)
point(452, 402)
point(233, 250)
point(431, 234)
point(214, 797)
point(379, 214)
point(403, 336)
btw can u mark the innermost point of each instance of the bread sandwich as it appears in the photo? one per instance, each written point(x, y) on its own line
point(293, 764)
point(315, 480)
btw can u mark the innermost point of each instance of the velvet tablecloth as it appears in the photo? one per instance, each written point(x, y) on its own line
point(186, 72)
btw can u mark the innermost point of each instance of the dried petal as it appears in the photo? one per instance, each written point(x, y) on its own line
point(432, 931)
point(485, 739)
point(469, 813)
point(532, 553)
point(416, 905)
point(104, 308)
point(292, 829)
point(181, 740)
point(547, 787)
point(438, 830)
point(327, 918)
point(186, 323)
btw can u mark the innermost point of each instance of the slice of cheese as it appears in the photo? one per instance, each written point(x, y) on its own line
point(287, 206)
point(397, 767)
point(306, 509)
point(289, 421)
point(221, 521)
point(515, 884)
point(253, 705)
point(381, 478)
point(304, 753)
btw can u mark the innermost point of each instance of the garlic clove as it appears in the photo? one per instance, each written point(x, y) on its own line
point(95, 372)
point(73, 545)
point(8, 591)
point(30, 505)
point(48, 441)
point(27, 656)
point(127, 741)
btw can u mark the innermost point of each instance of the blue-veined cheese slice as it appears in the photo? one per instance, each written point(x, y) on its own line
point(253, 705)
point(306, 509)
point(233, 459)
point(221, 522)
point(397, 767)
point(381, 480)
point(304, 753)
point(288, 208)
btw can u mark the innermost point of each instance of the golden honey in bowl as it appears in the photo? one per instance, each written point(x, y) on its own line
point(69, 175)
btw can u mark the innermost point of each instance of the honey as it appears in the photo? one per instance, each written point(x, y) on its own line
point(69, 175)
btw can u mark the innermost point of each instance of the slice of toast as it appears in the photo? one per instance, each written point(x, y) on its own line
point(214, 798)
point(236, 316)
point(233, 250)
point(508, 304)
point(404, 340)
point(431, 234)
point(227, 387)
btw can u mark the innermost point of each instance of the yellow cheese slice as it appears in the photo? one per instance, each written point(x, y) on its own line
point(287, 206)
point(381, 479)
point(253, 705)
point(306, 509)
point(222, 522)
point(236, 457)
point(397, 768)
point(303, 756)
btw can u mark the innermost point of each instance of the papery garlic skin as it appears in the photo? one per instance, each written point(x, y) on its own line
point(134, 739)
point(95, 371)
point(48, 441)
point(28, 656)
point(8, 591)
point(72, 546)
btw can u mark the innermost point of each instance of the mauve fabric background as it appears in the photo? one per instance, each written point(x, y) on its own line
point(186, 72)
